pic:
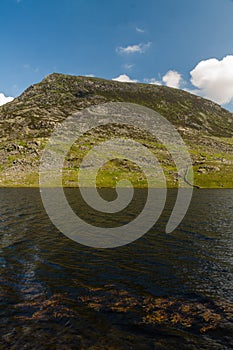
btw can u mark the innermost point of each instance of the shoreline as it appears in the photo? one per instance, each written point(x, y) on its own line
point(110, 187)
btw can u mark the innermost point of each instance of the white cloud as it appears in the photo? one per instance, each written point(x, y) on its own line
point(125, 79)
point(4, 99)
point(211, 78)
point(139, 30)
point(128, 66)
point(152, 81)
point(172, 79)
point(214, 79)
point(139, 48)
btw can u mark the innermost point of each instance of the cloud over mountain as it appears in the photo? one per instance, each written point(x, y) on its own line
point(4, 99)
point(214, 79)
point(172, 79)
point(124, 78)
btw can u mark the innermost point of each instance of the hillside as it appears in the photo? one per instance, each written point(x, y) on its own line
point(26, 123)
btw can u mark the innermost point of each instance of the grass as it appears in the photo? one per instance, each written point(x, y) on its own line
point(218, 164)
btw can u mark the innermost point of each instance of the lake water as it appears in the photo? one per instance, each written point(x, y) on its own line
point(164, 291)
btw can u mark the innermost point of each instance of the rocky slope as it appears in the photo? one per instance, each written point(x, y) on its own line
point(26, 123)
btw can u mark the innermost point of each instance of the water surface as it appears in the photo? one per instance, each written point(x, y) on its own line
point(164, 291)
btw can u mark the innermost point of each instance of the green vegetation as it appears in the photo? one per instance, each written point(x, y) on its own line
point(27, 122)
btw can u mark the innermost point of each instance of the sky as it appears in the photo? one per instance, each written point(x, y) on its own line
point(179, 43)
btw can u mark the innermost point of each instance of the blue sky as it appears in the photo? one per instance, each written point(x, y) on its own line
point(180, 43)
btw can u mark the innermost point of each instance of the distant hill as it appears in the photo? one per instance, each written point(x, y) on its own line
point(26, 123)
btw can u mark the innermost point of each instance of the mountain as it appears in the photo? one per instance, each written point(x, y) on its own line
point(27, 122)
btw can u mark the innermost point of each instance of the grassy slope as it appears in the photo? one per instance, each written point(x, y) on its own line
point(26, 123)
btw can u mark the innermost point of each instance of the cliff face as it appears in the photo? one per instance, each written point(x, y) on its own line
point(26, 122)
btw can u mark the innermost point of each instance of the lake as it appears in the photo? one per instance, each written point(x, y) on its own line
point(163, 291)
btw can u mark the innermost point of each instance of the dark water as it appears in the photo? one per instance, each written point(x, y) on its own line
point(164, 291)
